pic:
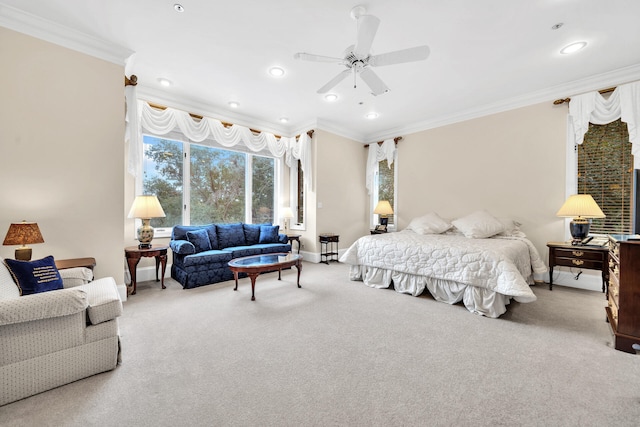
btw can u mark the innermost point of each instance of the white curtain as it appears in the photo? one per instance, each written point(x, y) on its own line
point(624, 102)
point(386, 150)
point(160, 122)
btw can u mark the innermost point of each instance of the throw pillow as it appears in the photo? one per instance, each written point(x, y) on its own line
point(479, 225)
point(231, 235)
point(33, 277)
point(199, 239)
point(430, 223)
point(8, 287)
point(269, 233)
point(252, 233)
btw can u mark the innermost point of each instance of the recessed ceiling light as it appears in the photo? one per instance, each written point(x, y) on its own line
point(234, 104)
point(276, 71)
point(284, 119)
point(573, 47)
point(164, 82)
point(372, 115)
point(178, 7)
point(331, 97)
point(557, 26)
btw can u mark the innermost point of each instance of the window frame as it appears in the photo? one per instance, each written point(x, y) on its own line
point(373, 218)
point(294, 196)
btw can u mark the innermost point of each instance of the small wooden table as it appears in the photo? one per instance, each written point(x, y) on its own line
point(62, 264)
point(133, 255)
point(579, 256)
point(256, 264)
point(291, 238)
point(328, 247)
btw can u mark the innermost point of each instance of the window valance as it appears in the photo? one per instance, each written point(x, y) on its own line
point(592, 107)
point(140, 115)
point(378, 152)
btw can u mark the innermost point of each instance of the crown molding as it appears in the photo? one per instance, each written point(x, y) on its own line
point(35, 26)
point(576, 87)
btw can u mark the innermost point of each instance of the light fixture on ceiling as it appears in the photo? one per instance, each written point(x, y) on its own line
point(573, 47)
point(164, 82)
point(276, 71)
point(234, 104)
point(372, 115)
point(331, 97)
point(284, 119)
point(178, 7)
point(557, 26)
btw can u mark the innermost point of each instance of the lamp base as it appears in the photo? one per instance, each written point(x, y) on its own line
point(144, 246)
point(145, 234)
point(23, 254)
point(579, 228)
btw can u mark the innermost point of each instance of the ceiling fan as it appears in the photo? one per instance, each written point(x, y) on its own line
point(358, 59)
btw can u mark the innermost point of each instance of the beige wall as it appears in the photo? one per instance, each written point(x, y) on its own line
point(511, 164)
point(61, 139)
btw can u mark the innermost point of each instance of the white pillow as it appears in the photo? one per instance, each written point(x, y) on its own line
point(479, 225)
point(8, 288)
point(430, 223)
point(511, 228)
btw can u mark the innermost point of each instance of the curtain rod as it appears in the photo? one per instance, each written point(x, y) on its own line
point(562, 101)
point(396, 139)
point(131, 81)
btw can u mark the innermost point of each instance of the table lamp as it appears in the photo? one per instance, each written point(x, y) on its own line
point(23, 233)
point(383, 209)
point(287, 214)
point(146, 207)
point(580, 207)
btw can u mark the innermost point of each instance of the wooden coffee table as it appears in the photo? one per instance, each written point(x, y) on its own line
point(256, 264)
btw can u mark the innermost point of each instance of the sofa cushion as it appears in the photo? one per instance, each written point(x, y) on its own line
point(210, 258)
point(104, 300)
point(37, 276)
point(252, 233)
point(8, 288)
point(270, 248)
point(76, 276)
point(199, 239)
point(230, 235)
point(269, 233)
point(240, 251)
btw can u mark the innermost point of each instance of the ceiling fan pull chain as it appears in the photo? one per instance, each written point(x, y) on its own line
point(354, 77)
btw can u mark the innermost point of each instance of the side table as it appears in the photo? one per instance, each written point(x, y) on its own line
point(133, 255)
point(329, 247)
point(293, 237)
point(585, 256)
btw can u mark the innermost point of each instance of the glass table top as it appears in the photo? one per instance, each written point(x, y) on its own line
point(264, 259)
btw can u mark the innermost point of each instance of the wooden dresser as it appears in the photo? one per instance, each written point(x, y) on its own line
point(623, 293)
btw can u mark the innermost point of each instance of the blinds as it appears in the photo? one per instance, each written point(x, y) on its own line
point(605, 170)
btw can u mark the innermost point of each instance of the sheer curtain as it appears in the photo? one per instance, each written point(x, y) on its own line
point(160, 122)
point(386, 150)
point(624, 103)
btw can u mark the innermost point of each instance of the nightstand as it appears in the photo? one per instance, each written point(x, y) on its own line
point(585, 257)
point(329, 247)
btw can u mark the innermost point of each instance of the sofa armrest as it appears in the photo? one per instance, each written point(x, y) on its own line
point(45, 305)
point(75, 276)
point(103, 300)
point(182, 247)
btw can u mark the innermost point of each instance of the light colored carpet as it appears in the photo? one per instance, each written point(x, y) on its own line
point(339, 353)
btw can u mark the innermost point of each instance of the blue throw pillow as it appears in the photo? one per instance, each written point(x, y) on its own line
point(199, 239)
point(269, 233)
point(252, 233)
point(33, 277)
point(230, 235)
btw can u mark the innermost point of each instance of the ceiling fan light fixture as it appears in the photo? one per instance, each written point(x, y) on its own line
point(331, 97)
point(276, 71)
point(573, 47)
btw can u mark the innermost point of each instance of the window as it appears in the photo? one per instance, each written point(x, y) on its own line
point(384, 189)
point(201, 184)
point(297, 196)
point(605, 170)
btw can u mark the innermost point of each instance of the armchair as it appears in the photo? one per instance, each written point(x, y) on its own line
point(53, 338)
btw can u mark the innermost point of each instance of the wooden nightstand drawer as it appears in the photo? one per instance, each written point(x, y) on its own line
point(579, 254)
point(580, 263)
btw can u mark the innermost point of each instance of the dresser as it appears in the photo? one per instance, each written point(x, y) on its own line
point(588, 257)
point(623, 296)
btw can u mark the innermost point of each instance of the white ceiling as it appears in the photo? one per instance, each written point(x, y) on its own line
point(486, 56)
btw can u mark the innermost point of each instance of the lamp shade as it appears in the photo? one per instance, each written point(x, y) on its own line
point(146, 206)
point(580, 206)
point(287, 213)
point(23, 233)
point(383, 208)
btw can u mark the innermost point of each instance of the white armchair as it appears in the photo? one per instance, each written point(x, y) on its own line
point(53, 338)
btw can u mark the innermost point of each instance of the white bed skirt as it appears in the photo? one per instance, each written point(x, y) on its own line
point(477, 300)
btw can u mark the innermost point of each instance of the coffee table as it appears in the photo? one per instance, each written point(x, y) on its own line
point(256, 264)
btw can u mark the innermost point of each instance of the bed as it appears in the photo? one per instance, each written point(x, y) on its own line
point(455, 262)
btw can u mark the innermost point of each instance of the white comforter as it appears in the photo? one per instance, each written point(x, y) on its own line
point(500, 264)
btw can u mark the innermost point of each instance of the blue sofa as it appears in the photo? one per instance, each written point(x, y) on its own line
point(201, 252)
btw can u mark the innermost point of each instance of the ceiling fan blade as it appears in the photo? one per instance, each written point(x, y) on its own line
point(418, 53)
point(372, 80)
point(367, 28)
point(334, 81)
point(317, 58)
